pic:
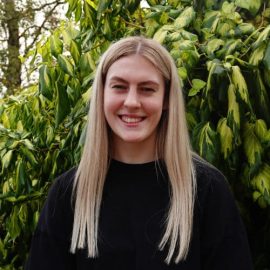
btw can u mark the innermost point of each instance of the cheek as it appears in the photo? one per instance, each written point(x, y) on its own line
point(111, 106)
point(154, 107)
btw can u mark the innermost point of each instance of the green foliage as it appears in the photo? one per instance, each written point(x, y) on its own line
point(222, 52)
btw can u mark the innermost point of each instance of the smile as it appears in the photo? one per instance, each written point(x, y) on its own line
point(131, 120)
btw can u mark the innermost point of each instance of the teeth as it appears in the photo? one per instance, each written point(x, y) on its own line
point(131, 119)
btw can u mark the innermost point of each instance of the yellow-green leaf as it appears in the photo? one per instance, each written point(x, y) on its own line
point(233, 106)
point(65, 64)
point(252, 6)
point(87, 64)
point(261, 181)
point(257, 55)
point(197, 86)
point(75, 51)
point(56, 45)
point(6, 159)
point(260, 129)
point(29, 155)
point(240, 84)
point(185, 18)
point(252, 146)
point(226, 137)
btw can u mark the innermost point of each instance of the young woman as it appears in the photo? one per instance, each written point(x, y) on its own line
point(139, 199)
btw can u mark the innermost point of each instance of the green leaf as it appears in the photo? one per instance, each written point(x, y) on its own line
point(6, 159)
point(161, 34)
point(75, 51)
point(102, 6)
point(260, 129)
point(87, 64)
point(228, 8)
point(185, 18)
point(71, 7)
point(263, 102)
point(13, 224)
point(197, 86)
point(233, 109)
point(257, 55)
point(29, 155)
point(226, 137)
point(56, 45)
point(28, 144)
point(263, 36)
point(205, 141)
point(182, 73)
point(266, 58)
point(261, 182)
point(50, 135)
point(211, 20)
point(240, 84)
point(20, 177)
point(78, 11)
point(65, 64)
point(107, 27)
point(62, 104)
point(252, 6)
point(213, 45)
point(244, 29)
point(45, 86)
point(252, 146)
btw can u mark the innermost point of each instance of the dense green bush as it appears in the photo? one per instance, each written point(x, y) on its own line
point(222, 52)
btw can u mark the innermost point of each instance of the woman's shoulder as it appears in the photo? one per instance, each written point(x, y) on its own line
point(62, 186)
point(208, 175)
point(211, 183)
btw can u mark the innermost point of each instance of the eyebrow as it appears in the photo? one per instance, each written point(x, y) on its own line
point(117, 78)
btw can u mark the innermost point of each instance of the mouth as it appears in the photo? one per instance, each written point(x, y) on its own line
point(131, 119)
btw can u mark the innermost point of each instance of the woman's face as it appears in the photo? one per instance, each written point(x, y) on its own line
point(133, 99)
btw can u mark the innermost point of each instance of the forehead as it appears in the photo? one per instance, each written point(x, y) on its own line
point(134, 66)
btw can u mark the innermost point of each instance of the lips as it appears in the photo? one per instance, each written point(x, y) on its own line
point(131, 119)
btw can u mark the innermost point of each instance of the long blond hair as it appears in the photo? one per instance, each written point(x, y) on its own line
point(172, 147)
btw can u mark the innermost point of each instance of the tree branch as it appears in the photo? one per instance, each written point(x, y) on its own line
point(42, 26)
point(28, 28)
point(57, 2)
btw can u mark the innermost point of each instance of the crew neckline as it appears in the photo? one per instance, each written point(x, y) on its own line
point(135, 167)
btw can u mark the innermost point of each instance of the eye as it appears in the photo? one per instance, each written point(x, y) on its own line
point(119, 86)
point(148, 89)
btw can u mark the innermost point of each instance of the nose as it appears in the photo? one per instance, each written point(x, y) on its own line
point(132, 99)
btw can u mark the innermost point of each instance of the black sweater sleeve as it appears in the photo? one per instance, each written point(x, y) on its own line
point(51, 240)
point(223, 237)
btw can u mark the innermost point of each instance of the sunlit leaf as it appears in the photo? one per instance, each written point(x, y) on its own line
point(197, 86)
point(226, 137)
point(252, 145)
point(6, 159)
point(56, 45)
point(260, 129)
point(65, 64)
point(240, 84)
point(185, 18)
point(233, 108)
point(205, 141)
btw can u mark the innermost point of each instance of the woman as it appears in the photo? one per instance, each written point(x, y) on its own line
point(139, 198)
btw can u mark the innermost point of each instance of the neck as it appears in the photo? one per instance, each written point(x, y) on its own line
point(133, 153)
